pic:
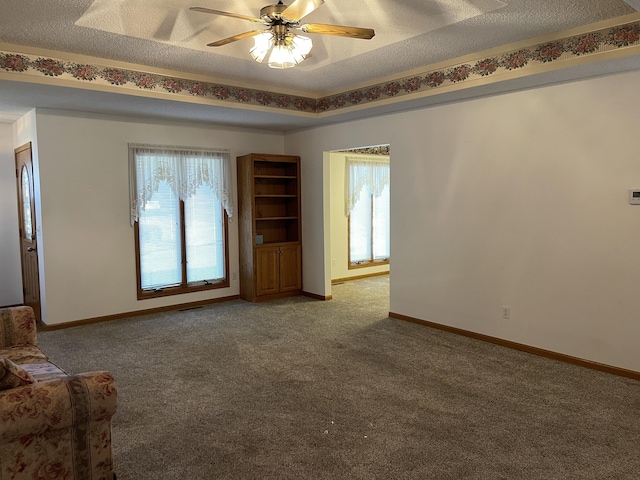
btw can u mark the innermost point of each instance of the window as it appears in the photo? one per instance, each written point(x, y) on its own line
point(368, 211)
point(179, 209)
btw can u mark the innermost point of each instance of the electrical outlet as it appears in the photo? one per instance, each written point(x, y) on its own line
point(333, 262)
point(506, 312)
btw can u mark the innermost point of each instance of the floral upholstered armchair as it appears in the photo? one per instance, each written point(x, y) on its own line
point(52, 425)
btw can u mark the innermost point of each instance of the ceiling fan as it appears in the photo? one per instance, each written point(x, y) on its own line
point(287, 49)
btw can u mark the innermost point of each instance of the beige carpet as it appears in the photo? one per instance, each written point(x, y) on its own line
point(303, 389)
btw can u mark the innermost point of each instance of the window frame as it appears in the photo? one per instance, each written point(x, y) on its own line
point(184, 287)
point(372, 262)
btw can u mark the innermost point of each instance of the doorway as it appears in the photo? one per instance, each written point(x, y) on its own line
point(27, 229)
point(341, 242)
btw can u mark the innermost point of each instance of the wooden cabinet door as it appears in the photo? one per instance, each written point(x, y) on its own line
point(290, 268)
point(267, 270)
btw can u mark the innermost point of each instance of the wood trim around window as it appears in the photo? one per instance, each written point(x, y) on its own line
point(184, 287)
point(367, 264)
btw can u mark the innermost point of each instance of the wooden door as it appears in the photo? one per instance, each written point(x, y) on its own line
point(267, 270)
point(290, 271)
point(28, 238)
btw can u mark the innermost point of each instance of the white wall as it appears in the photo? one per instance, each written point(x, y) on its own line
point(10, 276)
point(314, 146)
point(339, 225)
point(517, 200)
point(88, 243)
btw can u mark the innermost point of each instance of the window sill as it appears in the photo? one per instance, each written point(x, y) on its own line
point(181, 290)
point(375, 263)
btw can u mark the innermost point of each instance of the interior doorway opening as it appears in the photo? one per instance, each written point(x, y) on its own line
point(359, 213)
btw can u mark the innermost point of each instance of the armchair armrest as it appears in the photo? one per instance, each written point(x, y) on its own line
point(60, 403)
point(58, 428)
point(17, 326)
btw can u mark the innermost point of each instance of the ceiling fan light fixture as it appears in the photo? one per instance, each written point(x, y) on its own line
point(281, 55)
point(263, 43)
point(300, 46)
point(289, 51)
point(285, 49)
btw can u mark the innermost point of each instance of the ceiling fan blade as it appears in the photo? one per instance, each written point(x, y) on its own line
point(235, 38)
point(226, 14)
point(301, 8)
point(341, 31)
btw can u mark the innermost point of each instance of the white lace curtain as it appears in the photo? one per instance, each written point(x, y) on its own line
point(361, 171)
point(183, 168)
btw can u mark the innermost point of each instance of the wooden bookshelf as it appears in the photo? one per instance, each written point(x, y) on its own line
point(269, 226)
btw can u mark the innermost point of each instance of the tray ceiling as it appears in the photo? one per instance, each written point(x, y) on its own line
point(164, 34)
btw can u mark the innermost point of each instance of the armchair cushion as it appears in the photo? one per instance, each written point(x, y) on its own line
point(22, 354)
point(17, 326)
point(11, 375)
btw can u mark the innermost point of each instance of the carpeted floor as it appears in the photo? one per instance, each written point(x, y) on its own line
point(303, 389)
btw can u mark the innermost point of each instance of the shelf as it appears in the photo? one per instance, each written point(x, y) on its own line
point(269, 244)
point(265, 168)
point(283, 177)
point(275, 185)
point(269, 208)
point(276, 196)
point(276, 206)
point(278, 230)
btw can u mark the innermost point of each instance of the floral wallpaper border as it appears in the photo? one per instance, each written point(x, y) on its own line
point(591, 43)
point(131, 79)
point(377, 150)
point(567, 48)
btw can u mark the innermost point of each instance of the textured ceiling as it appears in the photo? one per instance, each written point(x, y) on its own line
point(165, 34)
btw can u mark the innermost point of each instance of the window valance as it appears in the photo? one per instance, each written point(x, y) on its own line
point(370, 171)
point(183, 168)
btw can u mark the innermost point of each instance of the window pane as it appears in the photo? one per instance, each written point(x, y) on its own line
point(360, 228)
point(26, 205)
point(159, 234)
point(204, 236)
point(381, 226)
